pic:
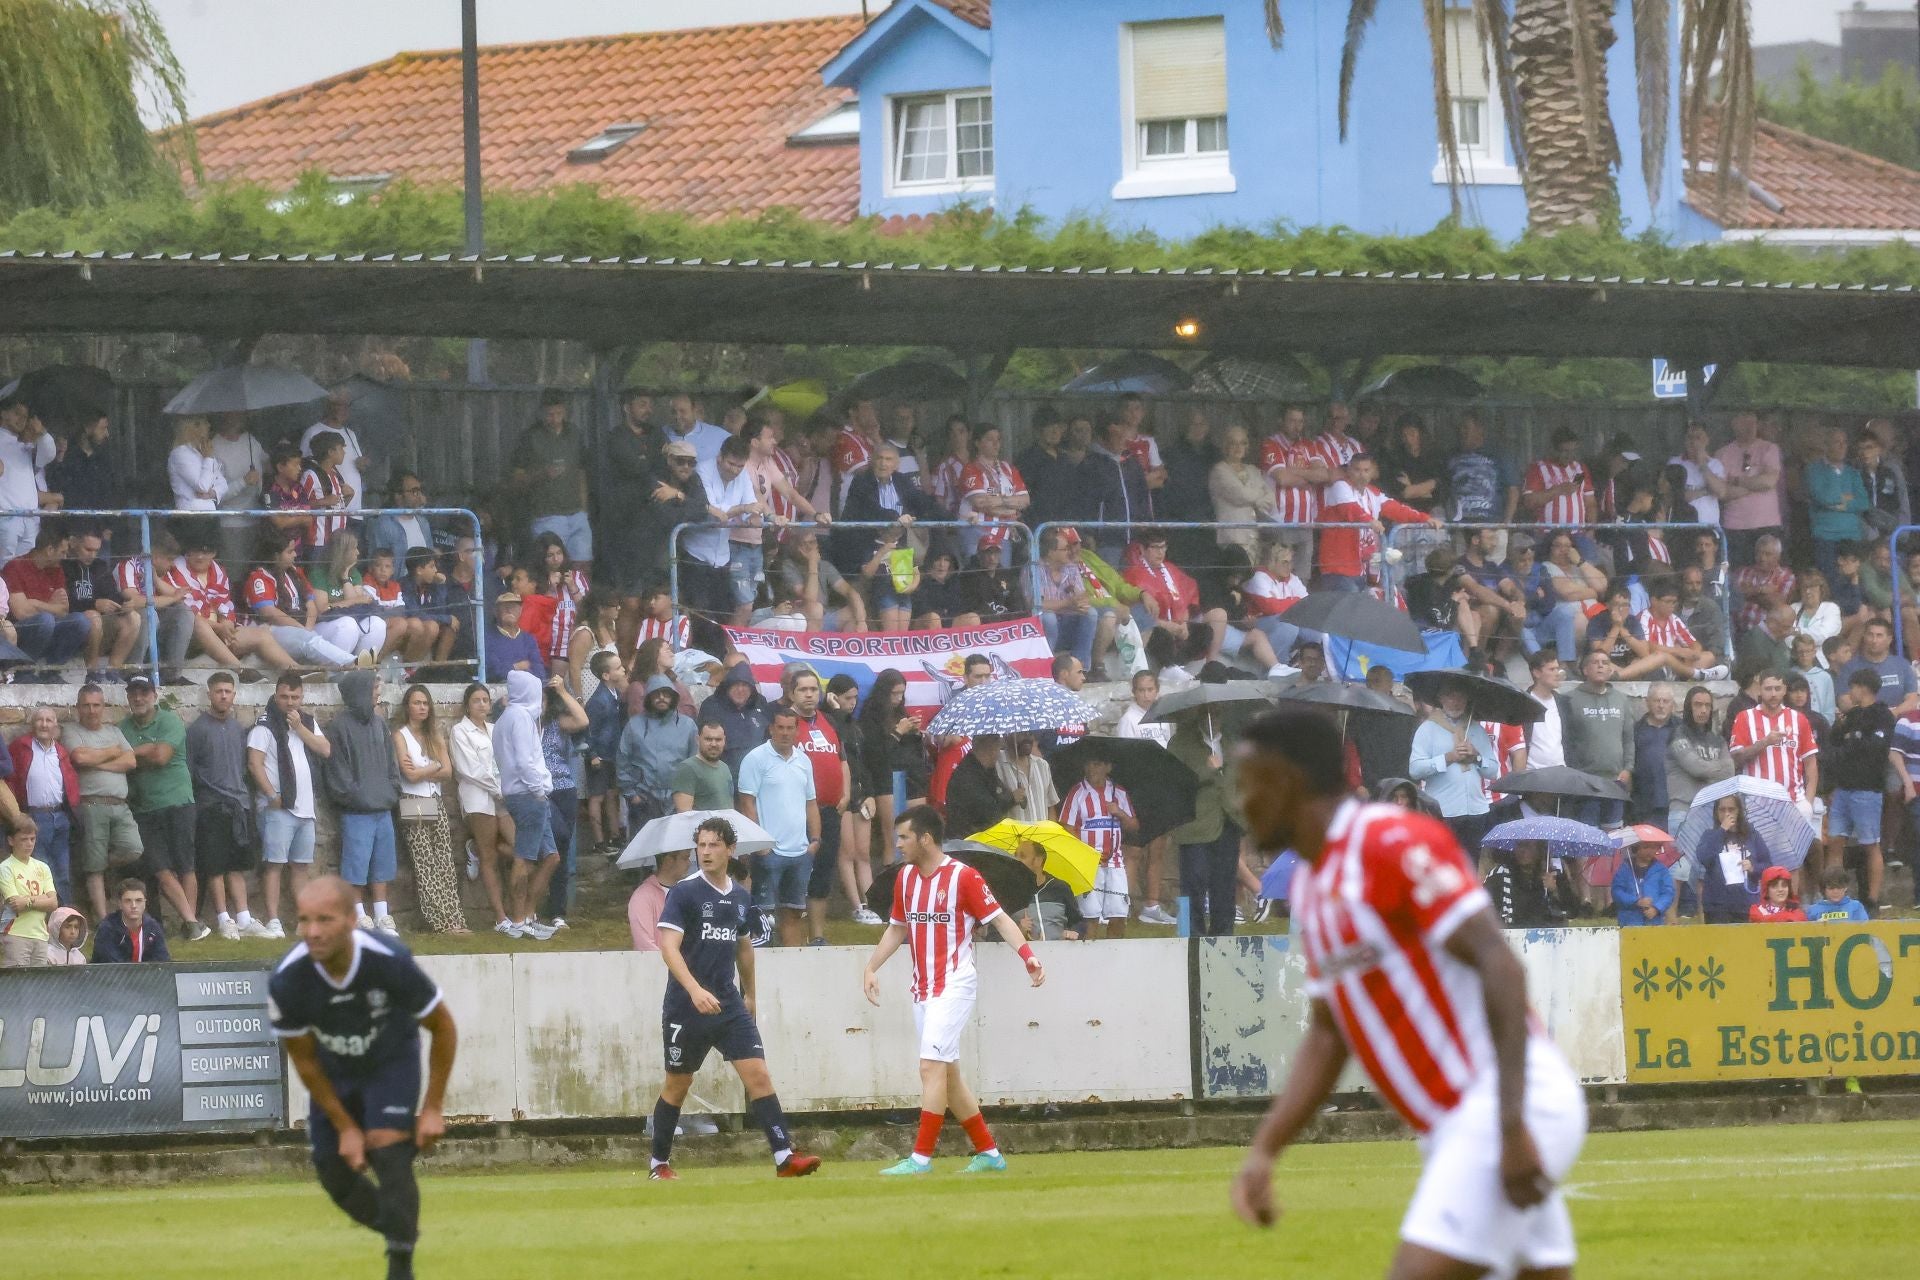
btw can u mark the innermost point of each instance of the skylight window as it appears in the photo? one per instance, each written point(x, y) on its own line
point(842, 124)
point(603, 144)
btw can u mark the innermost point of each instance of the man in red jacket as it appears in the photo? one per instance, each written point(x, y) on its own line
point(42, 784)
point(1169, 598)
point(1346, 554)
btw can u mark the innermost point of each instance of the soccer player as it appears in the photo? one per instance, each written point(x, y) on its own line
point(350, 1004)
point(937, 904)
point(705, 933)
point(1409, 973)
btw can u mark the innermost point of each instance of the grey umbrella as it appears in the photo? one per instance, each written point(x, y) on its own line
point(1345, 697)
point(240, 388)
point(1171, 706)
point(1487, 698)
point(1355, 615)
point(1575, 784)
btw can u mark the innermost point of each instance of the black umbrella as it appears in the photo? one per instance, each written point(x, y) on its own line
point(67, 396)
point(1355, 615)
point(1575, 784)
point(1009, 878)
point(908, 380)
point(1134, 371)
point(1427, 382)
point(1161, 787)
point(1341, 696)
point(1487, 698)
point(1204, 694)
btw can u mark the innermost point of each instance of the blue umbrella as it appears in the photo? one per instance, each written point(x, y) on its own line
point(1770, 812)
point(1564, 837)
point(1012, 705)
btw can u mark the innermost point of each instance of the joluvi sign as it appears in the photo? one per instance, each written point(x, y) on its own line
point(1752, 1002)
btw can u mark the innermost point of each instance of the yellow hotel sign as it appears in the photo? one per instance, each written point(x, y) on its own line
point(1754, 1001)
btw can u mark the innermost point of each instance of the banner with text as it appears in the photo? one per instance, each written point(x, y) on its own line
point(930, 660)
point(1755, 1002)
point(124, 1048)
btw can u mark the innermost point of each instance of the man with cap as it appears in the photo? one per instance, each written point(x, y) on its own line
point(508, 647)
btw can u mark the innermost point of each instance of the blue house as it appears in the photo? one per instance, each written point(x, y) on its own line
point(1179, 115)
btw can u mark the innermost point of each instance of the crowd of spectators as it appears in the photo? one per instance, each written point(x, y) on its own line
point(1160, 562)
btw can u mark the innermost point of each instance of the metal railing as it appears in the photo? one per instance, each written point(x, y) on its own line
point(1016, 532)
point(145, 518)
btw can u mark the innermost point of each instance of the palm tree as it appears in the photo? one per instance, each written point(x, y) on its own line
point(75, 75)
point(1548, 61)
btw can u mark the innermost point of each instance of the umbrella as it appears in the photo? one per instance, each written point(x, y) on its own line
point(241, 388)
point(64, 396)
point(1281, 379)
point(1069, 858)
point(1277, 884)
point(1015, 704)
point(1136, 371)
point(1355, 615)
point(1007, 877)
point(1574, 784)
point(674, 834)
point(1195, 697)
point(802, 399)
point(1564, 837)
point(1487, 698)
point(1427, 382)
point(1647, 833)
point(908, 380)
point(1345, 697)
point(1771, 813)
point(1162, 788)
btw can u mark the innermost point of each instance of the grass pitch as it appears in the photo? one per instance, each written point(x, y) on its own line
point(1809, 1201)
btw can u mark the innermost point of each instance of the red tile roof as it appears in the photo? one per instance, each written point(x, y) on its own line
point(978, 12)
point(1818, 184)
point(719, 104)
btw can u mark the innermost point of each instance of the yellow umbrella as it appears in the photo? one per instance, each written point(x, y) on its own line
point(1069, 858)
point(801, 399)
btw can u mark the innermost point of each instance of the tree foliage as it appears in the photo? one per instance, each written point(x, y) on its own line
point(73, 75)
point(1881, 118)
point(577, 221)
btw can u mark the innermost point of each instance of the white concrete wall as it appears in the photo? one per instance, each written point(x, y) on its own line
point(576, 1035)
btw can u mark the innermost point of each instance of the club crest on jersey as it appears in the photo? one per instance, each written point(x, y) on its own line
point(706, 911)
point(377, 1001)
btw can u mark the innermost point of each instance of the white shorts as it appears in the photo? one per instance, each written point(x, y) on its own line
point(1460, 1208)
point(1108, 898)
point(939, 1022)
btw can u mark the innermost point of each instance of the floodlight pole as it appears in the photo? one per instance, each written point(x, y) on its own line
point(470, 130)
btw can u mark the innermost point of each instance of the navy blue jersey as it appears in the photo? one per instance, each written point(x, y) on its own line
point(711, 924)
point(364, 1023)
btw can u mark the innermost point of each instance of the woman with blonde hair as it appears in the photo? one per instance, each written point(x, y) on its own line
point(426, 763)
point(196, 476)
point(489, 828)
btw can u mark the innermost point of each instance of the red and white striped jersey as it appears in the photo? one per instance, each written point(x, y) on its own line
point(1782, 763)
point(944, 484)
point(566, 616)
point(315, 489)
point(1267, 595)
point(211, 598)
point(1671, 631)
point(1349, 551)
point(779, 503)
point(852, 454)
point(1375, 914)
point(130, 575)
point(1292, 504)
point(1507, 740)
point(1338, 452)
point(940, 911)
point(673, 630)
point(1094, 814)
point(1145, 450)
point(1568, 508)
point(1000, 479)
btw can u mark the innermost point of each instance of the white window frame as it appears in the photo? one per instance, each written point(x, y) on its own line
point(1491, 163)
point(1143, 176)
point(952, 184)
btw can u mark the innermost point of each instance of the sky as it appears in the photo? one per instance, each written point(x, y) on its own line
point(237, 50)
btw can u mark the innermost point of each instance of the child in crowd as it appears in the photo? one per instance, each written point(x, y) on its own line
point(66, 937)
point(1100, 812)
point(425, 594)
point(1776, 905)
point(1836, 905)
point(26, 896)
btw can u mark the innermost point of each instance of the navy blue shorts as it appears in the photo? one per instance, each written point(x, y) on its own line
point(688, 1037)
point(386, 1099)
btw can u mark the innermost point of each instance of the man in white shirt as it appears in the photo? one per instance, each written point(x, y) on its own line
point(1546, 739)
point(243, 460)
point(684, 424)
point(1706, 474)
point(23, 485)
point(285, 799)
point(731, 499)
point(354, 465)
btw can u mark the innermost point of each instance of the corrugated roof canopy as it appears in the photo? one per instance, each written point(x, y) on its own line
point(983, 309)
